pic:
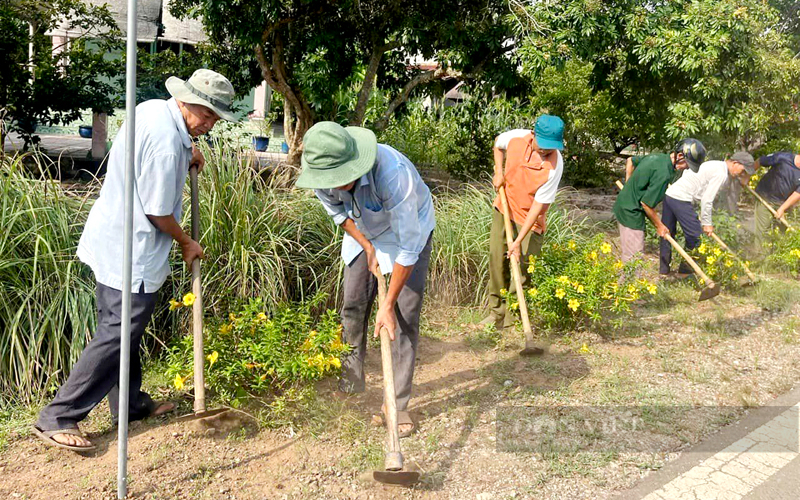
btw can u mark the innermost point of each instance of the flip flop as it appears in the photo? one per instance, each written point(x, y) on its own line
point(47, 438)
point(170, 408)
point(403, 418)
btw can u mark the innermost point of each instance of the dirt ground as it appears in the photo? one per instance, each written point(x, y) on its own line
point(624, 402)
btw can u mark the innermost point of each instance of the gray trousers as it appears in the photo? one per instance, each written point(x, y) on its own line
point(96, 372)
point(360, 289)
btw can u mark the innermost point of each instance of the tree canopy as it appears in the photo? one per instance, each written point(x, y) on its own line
point(326, 58)
point(717, 69)
point(60, 81)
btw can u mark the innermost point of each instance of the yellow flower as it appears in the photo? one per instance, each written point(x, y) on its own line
point(717, 252)
point(533, 292)
point(263, 377)
point(179, 381)
point(579, 288)
point(232, 317)
point(531, 269)
point(631, 289)
point(174, 304)
point(336, 362)
point(188, 299)
point(212, 358)
point(563, 279)
point(618, 265)
point(736, 277)
point(571, 245)
point(560, 293)
point(262, 317)
point(702, 248)
point(573, 304)
point(226, 328)
point(605, 247)
point(710, 260)
point(728, 263)
point(652, 289)
point(593, 255)
point(584, 349)
point(503, 291)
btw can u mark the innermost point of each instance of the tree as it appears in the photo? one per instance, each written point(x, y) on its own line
point(58, 82)
point(324, 56)
point(717, 69)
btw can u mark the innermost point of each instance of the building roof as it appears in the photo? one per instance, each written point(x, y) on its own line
point(154, 22)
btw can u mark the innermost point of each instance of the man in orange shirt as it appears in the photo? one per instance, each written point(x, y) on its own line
point(533, 169)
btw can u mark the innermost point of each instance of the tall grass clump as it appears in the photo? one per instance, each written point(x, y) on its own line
point(47, 308)
point(260, 238)
point(459, 269)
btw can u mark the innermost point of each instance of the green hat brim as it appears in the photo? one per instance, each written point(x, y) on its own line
point(360, 164)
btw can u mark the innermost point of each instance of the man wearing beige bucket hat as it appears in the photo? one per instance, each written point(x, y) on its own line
point(163, 153)
point(377, 196)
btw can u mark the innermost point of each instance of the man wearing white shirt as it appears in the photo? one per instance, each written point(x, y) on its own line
point(701, 187)
point(533, 169)
point(162, 155)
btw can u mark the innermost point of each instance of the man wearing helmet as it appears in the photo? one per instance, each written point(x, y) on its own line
point(647, 178)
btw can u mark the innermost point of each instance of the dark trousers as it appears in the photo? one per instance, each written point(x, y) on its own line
point(96, 374)
point(360, 289)
point(679, 212)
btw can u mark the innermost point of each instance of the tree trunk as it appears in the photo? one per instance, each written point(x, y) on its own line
point(357, 118)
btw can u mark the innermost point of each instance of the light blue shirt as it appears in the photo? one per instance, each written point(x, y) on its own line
point(390, 205)
point(161, 162)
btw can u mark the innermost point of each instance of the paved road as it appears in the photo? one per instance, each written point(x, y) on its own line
point(757, 458)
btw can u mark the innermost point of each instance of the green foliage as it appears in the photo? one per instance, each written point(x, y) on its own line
point(577, 282)
point(65, 80)
point(459, 139)
point(717, 263)
point(714, 69)
point(47, 309)
point(251, 353)
point(783, 250)
point(152, 71)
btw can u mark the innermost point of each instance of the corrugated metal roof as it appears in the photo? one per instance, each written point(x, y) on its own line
point(154, 22)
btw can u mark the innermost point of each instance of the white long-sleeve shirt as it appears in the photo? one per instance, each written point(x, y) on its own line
point(701, 187)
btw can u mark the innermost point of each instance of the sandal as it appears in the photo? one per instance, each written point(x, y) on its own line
point(162, 408)
point(47, 438)
point(403, 418)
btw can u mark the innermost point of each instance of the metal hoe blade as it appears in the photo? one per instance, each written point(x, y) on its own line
point(709, 292)
point(398, 478)
point(531, 349)
point(200, 414)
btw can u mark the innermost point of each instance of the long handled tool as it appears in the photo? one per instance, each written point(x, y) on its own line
point(711, 289)
point(531, 348)
point(393, 472)
point(197, 318)
point(766, 204)
point(725, 247)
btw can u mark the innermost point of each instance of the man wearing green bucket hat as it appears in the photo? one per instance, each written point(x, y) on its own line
point(377, 196)
point(533, 169)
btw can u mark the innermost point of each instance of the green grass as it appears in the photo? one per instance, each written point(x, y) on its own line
point(775, 295)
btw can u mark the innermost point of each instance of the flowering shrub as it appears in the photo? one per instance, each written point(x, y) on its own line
point(719, 265)
point(784, 250)
point(251, 352)
point(571, 283)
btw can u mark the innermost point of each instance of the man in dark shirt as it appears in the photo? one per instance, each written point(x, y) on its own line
point(780, 185)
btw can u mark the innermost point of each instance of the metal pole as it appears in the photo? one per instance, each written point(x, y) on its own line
point(125, 339)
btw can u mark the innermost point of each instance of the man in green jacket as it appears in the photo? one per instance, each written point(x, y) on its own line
point(647, 178)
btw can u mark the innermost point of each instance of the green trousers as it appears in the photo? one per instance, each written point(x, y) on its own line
point(765, 221)
point(499, 270)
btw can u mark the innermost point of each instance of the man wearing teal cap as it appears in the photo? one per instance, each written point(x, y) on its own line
point(533, 169)
point(377, 196)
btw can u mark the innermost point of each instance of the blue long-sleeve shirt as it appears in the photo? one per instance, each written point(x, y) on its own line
point(390, 205)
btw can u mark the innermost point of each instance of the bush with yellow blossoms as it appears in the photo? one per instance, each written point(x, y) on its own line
point(249, 352)
point(783, 250)
point(581, 282)
point(721, 266)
